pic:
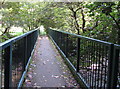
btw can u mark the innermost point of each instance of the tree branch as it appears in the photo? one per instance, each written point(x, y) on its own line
point(75, 18)
point(3, 2)
point(96, 24)
point(6, 30)
point(115, 21)
point(78, 9)
point(83, 19)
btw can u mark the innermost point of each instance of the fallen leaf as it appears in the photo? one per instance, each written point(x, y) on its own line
point(55, 76)
point(62, 86)
point(34, 65)
point(35, 73)
point(44, 62)
point(75, 84)
point(30, 69)
point(30, 76)
point(35, 84)
point(47, 60)
point(27, 80)
point(63, 72)
point(28, 83)
point(29, 72)
point(37, 87)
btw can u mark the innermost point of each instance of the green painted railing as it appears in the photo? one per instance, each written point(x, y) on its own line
point(15, 55)
point(95, 63)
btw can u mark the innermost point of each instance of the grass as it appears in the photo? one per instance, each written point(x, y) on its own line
point(11, 35)
point(16, 33)
point(43, 33)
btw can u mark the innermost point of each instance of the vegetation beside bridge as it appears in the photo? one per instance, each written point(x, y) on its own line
point(93, 19)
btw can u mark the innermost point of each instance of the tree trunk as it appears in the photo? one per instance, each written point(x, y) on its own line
point(6, 30)
point(119, 36)
point(83, 19)
point(76, 22)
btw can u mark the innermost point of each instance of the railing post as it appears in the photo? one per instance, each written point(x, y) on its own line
point(115, 69)
point(66, 46)
point(39, 33)
point(25, 51)
point(30, 43)
point(8, 67)
point(61, 41)
point(78, 53)
point(110, 65)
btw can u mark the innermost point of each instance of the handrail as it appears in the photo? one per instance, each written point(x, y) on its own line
point(7, 43)
point(80, 36)
point(117, 46)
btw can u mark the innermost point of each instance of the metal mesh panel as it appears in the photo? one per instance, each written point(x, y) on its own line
point(72, 50)
point(17, 61)
point(68, 45)
point(118, 75)
point(94, 63)
point(117, 50)
point(14, 56)
point(1, 69)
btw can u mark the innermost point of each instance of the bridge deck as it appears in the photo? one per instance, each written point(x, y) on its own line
point(47, 68)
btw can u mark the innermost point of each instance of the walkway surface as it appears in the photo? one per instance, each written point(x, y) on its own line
point(47, 68)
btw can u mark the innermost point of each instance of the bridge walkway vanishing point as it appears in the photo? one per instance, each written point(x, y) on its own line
point(47, 68)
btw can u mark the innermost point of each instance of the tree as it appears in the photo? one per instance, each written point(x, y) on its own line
point(93, 19)
point(108, 15)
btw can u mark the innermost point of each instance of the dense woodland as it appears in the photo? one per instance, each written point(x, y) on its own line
point(100, 20)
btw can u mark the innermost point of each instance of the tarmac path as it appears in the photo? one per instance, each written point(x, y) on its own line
point(47, 68)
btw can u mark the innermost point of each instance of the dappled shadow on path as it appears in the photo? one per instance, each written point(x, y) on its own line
point(47, 68)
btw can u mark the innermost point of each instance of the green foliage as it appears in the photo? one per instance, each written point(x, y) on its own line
point(94, 19)
point(107, 14)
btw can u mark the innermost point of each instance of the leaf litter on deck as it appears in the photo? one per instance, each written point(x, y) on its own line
point(66, 74)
